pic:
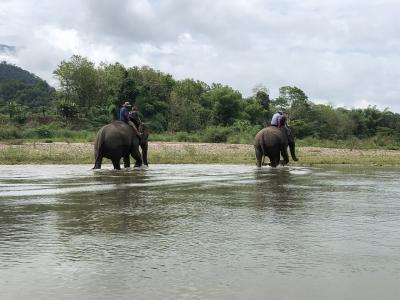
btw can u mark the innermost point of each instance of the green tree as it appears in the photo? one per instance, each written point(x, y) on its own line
point(153, 92)
point(111, 86)
point(372, 118)
point(255, 113)
point(360, 123)
point(79, 81)
point(295, 102)
point(17, 112)
point(225, 103)
point(261, 94)
point(185, 110)
point(67, 109)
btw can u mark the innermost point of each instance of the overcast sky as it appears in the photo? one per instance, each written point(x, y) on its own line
point(342, 52)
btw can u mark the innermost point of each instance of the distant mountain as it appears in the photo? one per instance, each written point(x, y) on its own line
point(23, 87)
point(11, 72)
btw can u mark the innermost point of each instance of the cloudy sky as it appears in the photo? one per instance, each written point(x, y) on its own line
point(342, 52)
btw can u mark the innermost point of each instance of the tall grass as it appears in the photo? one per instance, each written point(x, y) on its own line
point(22, 154)
point(56, 132)
point(376, 142)
point(77, 153)
point(46, 133)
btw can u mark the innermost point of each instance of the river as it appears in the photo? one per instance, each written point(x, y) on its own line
point(199, 232)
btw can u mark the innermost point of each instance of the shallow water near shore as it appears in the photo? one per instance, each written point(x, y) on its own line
point(199, 232)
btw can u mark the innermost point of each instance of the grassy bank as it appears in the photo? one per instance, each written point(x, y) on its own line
point(167, 152)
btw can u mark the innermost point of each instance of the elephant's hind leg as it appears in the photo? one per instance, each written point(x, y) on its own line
point(127, 161)
point(99, 160)
point(259, 156)
point(274, 158)
point(116, 164)
point(137, 156)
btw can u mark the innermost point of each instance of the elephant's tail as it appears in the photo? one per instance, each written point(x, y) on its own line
point(98, 143)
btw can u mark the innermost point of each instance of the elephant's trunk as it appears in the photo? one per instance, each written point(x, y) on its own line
point(292, 148)
point(292, 145)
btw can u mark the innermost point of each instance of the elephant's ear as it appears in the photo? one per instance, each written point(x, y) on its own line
point(143, 127)
point(292, 131)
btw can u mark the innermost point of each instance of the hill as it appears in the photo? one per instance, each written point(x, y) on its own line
point(22, 87)
point(10, 72)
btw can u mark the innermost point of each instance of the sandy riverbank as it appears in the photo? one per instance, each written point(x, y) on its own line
point(164, 152)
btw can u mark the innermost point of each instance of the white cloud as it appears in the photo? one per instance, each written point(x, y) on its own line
point(346, 52)
point(62, 39)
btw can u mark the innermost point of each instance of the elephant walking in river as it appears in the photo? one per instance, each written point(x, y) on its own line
point(273, 142)
point(118, 140)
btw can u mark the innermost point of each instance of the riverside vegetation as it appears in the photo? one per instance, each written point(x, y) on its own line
point(32, 114)
point(170, 152)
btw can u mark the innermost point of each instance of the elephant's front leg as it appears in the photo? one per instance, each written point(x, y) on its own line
point(285, 156)
point(137, 156)
point(127, 161)
point(145, 148)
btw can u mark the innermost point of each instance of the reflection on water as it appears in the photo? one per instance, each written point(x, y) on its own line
point(199, 232)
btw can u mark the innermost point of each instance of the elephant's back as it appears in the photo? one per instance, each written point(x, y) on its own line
point(268, 136)
point(112, 131)
point(117, 134)
point(114, 139)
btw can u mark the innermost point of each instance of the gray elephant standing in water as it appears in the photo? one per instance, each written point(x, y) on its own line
point(118, 140)
point(272, 142)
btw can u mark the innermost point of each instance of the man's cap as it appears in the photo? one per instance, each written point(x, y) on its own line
point(126, 104)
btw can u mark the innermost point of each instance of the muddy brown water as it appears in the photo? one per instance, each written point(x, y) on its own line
point(199, 232)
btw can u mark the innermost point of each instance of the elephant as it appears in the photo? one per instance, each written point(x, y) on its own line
point(272, 142)
point(118, 140)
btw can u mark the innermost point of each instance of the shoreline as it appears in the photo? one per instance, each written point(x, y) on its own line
point(191, 153)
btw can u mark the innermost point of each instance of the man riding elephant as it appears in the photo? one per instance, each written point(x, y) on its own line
point(279, 119)
point(124, 116)
point(273, 142)
point(122, 139)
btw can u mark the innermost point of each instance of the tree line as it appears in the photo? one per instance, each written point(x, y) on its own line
point(91, 95)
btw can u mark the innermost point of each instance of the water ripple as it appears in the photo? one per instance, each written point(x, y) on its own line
point(198, 231)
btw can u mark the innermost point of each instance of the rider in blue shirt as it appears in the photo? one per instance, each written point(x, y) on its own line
point(124, 112)
point(279, 120)
point(124, 117)
point(276, 119)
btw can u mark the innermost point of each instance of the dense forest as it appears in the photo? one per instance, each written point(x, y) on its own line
point(90, 95)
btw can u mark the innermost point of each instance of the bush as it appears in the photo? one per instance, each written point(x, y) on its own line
point(216, 134)
point(65, 133)
point(8, 133)
point(155, 126)
point(182, 136)
point(187, 137)
point(43, 132)
point(67, 109)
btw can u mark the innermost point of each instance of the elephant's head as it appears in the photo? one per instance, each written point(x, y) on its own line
point(145, 137)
